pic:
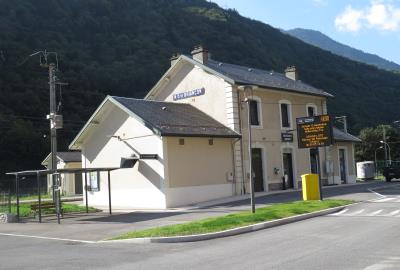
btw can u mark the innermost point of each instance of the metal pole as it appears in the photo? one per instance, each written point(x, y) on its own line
point(86, 194)
point(39, 197)
point(252, 199)
point(384, 143)
point(9, 196)
point(53, 130)
point(109, 192)
point(17, 194)
point(319, 175)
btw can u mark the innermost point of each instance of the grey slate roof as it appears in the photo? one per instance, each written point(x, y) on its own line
point(176, 119)
point(340, 136)
point(70, 156)
point(244, 75)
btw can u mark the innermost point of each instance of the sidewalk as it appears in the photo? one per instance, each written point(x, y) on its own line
point(99, 226)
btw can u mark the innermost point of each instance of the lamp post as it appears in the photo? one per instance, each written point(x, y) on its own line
point(247, 100)
point(376, 167)
point(390, 159)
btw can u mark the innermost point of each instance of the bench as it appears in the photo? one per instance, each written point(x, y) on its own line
point(45, 205)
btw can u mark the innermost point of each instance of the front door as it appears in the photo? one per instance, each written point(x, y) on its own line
point(257, 169)
point(288, 169)
point(342, 165)
point(78, 184)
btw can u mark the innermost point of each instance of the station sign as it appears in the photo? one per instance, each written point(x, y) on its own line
point(189, 94)
point(314, 131)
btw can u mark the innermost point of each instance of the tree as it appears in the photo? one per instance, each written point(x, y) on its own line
point(371, 138)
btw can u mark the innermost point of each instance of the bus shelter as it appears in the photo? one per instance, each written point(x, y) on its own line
point(39, 173)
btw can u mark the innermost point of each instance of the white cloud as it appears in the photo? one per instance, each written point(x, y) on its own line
point(378, 15)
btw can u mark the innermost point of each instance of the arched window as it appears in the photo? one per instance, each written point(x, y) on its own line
point(285, 108)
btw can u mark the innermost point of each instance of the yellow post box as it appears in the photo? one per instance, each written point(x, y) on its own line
point(310, 186)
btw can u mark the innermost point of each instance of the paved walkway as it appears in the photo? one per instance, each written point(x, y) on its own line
point(99, 226)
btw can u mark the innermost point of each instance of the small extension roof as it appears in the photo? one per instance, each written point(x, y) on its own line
point(69, 156)
point(176, 119)
point(340, 136)
point(164, 119)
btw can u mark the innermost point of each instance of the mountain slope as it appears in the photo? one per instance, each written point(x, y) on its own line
point(322, 41)
point(122, 47)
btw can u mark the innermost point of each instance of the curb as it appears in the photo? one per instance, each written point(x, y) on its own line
point(230, 232)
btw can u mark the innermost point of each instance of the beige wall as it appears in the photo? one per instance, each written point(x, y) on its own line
point(138, 187)
point(197, 171)
point(268, 135)
point(189, 78)
point(349, 155)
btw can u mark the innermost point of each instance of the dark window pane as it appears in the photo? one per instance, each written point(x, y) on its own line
point(313, 160)
point(311, 111)
point(254, 113)
point(285, 115)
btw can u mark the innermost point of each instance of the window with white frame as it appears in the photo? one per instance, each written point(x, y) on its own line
point(255, 111)
point(286, 114)
point(311, 110)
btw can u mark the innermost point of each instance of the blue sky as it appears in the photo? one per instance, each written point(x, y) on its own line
point(370, 25)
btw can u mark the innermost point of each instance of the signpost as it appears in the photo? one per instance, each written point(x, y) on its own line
point(315, 132)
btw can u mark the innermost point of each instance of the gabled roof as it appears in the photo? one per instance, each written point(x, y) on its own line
point(340, 136)
point(70, 156)
point(245, 75)
point(241, 75)
point(165, 119)
point(176, 119)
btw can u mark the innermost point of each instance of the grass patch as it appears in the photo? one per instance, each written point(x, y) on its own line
point(230, 221)
point(25, 209)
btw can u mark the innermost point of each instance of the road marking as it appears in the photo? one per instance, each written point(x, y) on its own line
point(356, 213)
point(395, 212)
point(48, 238)
point(375, 213)
point(341, 212)
point(385, 200)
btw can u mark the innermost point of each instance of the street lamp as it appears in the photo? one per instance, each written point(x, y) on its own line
point(247, 100)
point(390, 159)
point(376, 167)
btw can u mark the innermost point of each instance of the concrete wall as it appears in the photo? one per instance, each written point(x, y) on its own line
point(138, 187)
point(197, 171)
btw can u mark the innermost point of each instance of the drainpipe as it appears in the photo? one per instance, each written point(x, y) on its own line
point(243, 191)
point(234, 165)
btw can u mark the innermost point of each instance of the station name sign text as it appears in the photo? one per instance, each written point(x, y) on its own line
point(189, 94)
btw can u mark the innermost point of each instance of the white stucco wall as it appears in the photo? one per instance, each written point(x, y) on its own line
point(138, 187)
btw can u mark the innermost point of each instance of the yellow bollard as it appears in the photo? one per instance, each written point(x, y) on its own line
point(310, 186)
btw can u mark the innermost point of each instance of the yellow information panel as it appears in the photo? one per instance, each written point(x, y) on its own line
point(310, 185)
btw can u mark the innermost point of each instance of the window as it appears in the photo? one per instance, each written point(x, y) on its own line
point(311, 109)
point(285, 115)
point(254, 113)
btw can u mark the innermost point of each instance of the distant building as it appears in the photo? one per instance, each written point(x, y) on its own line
point(71, 184)
point(195, 120)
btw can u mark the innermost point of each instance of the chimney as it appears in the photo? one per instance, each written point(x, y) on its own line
point(174, 58)
point(291, 73)
point(200, 54)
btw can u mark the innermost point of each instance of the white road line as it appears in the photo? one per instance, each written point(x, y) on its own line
point(341, 212)
point(385, 200)
point(393, 213)
point(48, 238)
point(375, 213)
point(355, 213)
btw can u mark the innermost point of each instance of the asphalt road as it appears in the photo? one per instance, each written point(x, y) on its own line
point(365, 236)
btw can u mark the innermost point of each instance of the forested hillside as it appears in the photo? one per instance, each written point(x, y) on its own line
point(121, 47)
